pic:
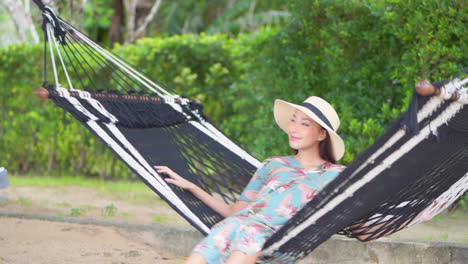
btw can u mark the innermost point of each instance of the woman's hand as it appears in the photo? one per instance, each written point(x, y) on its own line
point(221, 207)
point(175, 178)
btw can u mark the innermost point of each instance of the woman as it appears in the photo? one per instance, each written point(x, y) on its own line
point(279, 188)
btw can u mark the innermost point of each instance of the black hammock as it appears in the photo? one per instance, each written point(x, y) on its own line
point(413, 172)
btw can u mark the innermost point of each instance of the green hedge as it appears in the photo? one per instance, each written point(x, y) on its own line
point(363, 56)
point(38, 137)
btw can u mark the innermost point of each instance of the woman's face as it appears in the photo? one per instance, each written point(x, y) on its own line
point(304, 133)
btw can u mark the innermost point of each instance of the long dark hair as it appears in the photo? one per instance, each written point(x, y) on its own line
point(325, 149)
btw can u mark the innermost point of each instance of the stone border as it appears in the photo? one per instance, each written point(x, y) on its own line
point(337, 250)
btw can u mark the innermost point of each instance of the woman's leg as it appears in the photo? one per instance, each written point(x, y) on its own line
point(196, 258)
point(239, 257)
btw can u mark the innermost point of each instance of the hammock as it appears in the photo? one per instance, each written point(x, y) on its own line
point(413, 172)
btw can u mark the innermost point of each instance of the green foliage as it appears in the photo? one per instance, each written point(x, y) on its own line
point(77, 212)
point(24, 202)
point(162, 219)
point(219, 16)
point(98, 16)
point(82, 210)
point(110, 210)
point(197, 66)
point(464, 202)
point(362, 56)
point(36, 136)
point(248, 16)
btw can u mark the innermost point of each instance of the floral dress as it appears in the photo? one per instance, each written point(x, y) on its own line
point(277, 191)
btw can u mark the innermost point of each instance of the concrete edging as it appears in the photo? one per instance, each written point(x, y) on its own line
point(338, 249)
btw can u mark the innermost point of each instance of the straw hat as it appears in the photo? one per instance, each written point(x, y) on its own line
point(320, 111)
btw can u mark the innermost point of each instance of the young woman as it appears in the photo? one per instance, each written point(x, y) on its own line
point(279, 188)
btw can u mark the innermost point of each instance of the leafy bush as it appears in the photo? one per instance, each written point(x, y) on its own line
point(362, 56)
point(37, 137)
point(197, 66)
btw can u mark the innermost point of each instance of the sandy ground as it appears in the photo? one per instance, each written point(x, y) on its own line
point(133, 206)
point(26, 241)
point(36, 241)
point(42, 242)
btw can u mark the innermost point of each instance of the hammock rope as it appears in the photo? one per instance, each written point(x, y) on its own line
point(108, 112)
point(414, 200)
point(413, 172)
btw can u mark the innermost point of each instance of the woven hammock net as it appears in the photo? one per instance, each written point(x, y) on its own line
point(413, 172)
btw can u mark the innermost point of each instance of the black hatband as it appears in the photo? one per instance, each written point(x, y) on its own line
point(318, 113)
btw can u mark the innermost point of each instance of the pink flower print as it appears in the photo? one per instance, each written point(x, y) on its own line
point(246, 214)
point(316, 170)
point(309, 196)
point(248, 240)
point(308, 192)
point(222, 242)
point(300, 171)
point(287, 212)
point(252, 230)
point(203, 246)
point(284, 188)
point(264, 217)
point(250, 243)
point(286, 209)
point(251, 194)
point(259, 205)
point(222, 238)
point(274, 184)
point(274, 177)
point(275, 171)
point(334, 167)
point(258, 228)
point(283, 160)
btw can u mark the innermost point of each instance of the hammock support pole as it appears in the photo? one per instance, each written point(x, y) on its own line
point(43, 93)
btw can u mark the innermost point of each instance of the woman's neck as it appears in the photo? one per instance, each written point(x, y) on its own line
point(309, 158)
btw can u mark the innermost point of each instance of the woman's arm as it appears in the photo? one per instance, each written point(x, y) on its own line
point(220, 207)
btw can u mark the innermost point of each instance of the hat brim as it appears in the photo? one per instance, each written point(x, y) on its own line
point(283, 112)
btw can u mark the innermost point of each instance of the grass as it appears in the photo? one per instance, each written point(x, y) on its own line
point(139, 193)
point(45, 181)
point(133, 192)
point(110, 210)
point(77, 212)
point(87, 207)
point(125, 215)
point(82, 210)
point(63, 204)
point(25, 202)
point(44, 202)
point(162, 219)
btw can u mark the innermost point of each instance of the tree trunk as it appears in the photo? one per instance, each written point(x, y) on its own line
point(130, 10)
point(77, 13)
point(138, 16)
point(115, 32)
point(142, 28)
point(21, 17)
point(51, 3)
